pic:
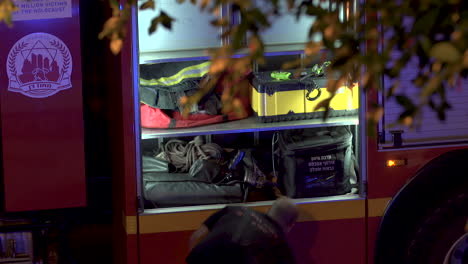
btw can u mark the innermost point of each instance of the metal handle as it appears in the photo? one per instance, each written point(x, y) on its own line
point(315, 97)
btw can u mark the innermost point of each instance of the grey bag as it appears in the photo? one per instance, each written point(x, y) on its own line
point(165, 189)
point(179, 189)
point(317, 162)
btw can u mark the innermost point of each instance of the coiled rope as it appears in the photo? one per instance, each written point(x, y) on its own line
point(182, 154)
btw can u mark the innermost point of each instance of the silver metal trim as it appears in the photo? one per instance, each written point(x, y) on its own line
point(160, 56)
point(422, 142)
point(442, 145)
point(344, 197)
point(460, 245)
point(256, 139)
point(247, 125)
point(136, 106)
point(363, 151)
point(285, 47)
point(362, 155)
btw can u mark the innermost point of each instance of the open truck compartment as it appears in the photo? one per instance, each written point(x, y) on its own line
point(212, 158)
point(277, 144)
point(233, 168)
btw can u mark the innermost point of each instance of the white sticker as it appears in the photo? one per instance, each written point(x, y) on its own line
point(42, 9)
point(39, 65)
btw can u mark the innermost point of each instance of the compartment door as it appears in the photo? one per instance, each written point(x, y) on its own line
point(42, 133)
point(428, 129)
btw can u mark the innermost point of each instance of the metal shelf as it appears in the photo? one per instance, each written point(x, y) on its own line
point(146, 57)
point(247, 125)
point(16, 260)
point(343, 197)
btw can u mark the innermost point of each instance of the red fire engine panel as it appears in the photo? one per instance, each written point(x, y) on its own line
point(41, 108)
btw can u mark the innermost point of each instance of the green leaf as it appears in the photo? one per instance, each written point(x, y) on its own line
point(114, 3)
point(239, 35)
point(166, 20)
point(325, 103)
point(7, 7)
point(163, 19)
point(147, 5)
point(392, 89)
point(395, 70)
point(424, 23)
point(441, 111)
point(313, 10)
point(425, 43)
point(153, 25)
point(445, 52)
point(432, 85)
point(406, 113)
point(405, 101)
point(431, 104)
point(219, 22)
point(258, 16)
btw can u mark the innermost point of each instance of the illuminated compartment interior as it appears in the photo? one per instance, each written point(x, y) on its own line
point(16, 247)
point(170, 181)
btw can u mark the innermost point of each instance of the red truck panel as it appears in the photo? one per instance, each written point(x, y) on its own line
point(42, 112)
point(311, 242)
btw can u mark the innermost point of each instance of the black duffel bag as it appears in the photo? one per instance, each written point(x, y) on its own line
point(179, 189)
point(316, 162)
point(164, 189)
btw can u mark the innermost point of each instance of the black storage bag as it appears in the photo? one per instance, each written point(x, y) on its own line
point(165, 189)
point(179, 189)
point(316, 162)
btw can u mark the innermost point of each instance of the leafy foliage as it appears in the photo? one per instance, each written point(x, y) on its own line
point(7, 7)
point(365, 42)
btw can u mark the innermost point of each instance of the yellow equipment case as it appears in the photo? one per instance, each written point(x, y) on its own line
point(276, 100)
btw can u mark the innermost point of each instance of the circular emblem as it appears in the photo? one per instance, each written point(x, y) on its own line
point(39, 65)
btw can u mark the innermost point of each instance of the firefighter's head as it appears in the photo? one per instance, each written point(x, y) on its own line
point(284, 211)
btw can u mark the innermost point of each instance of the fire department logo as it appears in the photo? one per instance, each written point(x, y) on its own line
point(39, 65)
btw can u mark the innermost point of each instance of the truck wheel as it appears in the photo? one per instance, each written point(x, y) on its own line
point(458, 253)
point(442, 238)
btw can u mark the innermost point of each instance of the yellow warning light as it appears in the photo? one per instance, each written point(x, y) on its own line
point(396, 163)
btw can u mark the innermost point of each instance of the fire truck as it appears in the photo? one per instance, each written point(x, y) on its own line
point(405, 202)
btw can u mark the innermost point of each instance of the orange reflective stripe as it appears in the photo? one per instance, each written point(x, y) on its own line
point(309, 211)
point(376, 207)
point(315, 211)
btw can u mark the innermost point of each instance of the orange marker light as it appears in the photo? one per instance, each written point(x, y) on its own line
point(396, 163)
